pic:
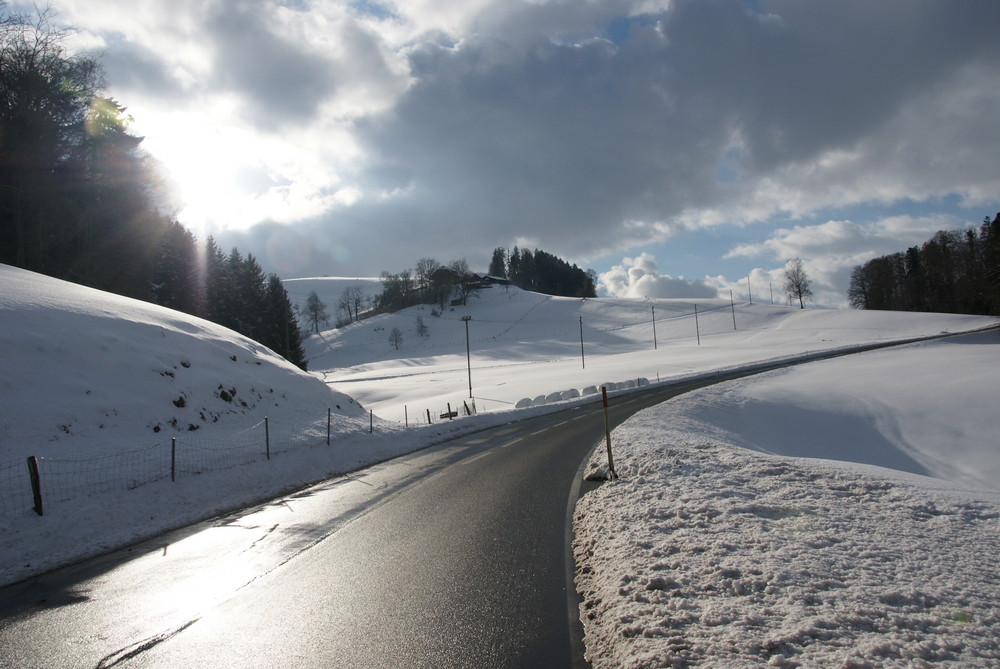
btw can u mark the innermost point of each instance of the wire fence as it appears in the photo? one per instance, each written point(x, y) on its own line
point(63, 479)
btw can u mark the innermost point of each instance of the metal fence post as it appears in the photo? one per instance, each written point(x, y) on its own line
point(173, 458)
point(267, 438)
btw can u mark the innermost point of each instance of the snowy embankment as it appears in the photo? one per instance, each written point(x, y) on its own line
point(743, 533)
point(96, 387)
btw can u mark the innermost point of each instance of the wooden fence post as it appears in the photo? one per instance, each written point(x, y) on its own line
point(36, 483)
point(607, 433)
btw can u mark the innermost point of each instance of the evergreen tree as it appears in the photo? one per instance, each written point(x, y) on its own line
point(956, 271)
point(514, 266)
point(498, 263)
point(281, 329)
point(175, 281)
point(215, 277)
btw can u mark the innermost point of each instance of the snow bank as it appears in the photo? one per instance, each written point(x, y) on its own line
point(710, 552)
point(89, 372)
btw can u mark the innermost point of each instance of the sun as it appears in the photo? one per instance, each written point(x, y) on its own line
point(203, 164)
point(202, 167)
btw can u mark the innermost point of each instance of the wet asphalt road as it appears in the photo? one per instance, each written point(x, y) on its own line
point(454, 556)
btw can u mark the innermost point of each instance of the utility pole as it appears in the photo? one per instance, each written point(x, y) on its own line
point(653, 308)
point(749, 293)
point(468, 355)
point(697, 330)
point(583, 360)
point(732, 305)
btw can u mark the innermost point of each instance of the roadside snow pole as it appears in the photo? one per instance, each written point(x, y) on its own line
point(406, 416)
point(428, 416)
point(173, 458)
point(371, 421)
point(36, 483)
point(732, 305)
point(267, 438)
point(583, 360)
point(329, 413)
point(607, 433)
point(697, 330)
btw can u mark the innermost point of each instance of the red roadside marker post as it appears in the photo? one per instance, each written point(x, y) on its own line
point(607, 433)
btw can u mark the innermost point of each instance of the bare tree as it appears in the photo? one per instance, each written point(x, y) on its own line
point(797, 283)
point(425, 267)
point(421, 327)
point(466, 286)
point(396, 338)
point(351, 302)
point(315, 312)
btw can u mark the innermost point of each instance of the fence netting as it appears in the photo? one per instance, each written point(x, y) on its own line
point(66, 478)
point(15, 487)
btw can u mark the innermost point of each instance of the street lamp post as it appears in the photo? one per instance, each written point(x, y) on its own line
point(468, 355)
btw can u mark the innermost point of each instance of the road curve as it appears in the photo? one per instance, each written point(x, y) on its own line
point(455, 556)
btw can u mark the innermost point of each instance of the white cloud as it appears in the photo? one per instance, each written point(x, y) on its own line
point(640, 277)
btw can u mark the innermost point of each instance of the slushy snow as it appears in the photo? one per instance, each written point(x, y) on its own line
point(843, 513)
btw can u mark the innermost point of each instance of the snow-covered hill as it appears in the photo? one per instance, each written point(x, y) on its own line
point(329, 290)
point(87, 372)
point(526, 345)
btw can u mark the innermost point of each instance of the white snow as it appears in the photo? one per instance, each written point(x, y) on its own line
point(726, 541)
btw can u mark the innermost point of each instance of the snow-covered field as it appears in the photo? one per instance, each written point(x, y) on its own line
point(836, 514)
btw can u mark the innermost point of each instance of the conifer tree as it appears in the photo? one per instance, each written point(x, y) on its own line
point(280, 327)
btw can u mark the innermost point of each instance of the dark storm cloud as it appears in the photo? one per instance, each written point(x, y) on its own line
point(283, 82)
point(570, 143)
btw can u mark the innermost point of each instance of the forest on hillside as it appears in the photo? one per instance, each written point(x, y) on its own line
point(433, 283)
point(80, 201)
point(956, 271)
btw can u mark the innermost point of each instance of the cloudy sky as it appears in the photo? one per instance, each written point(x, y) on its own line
point(674, 146)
